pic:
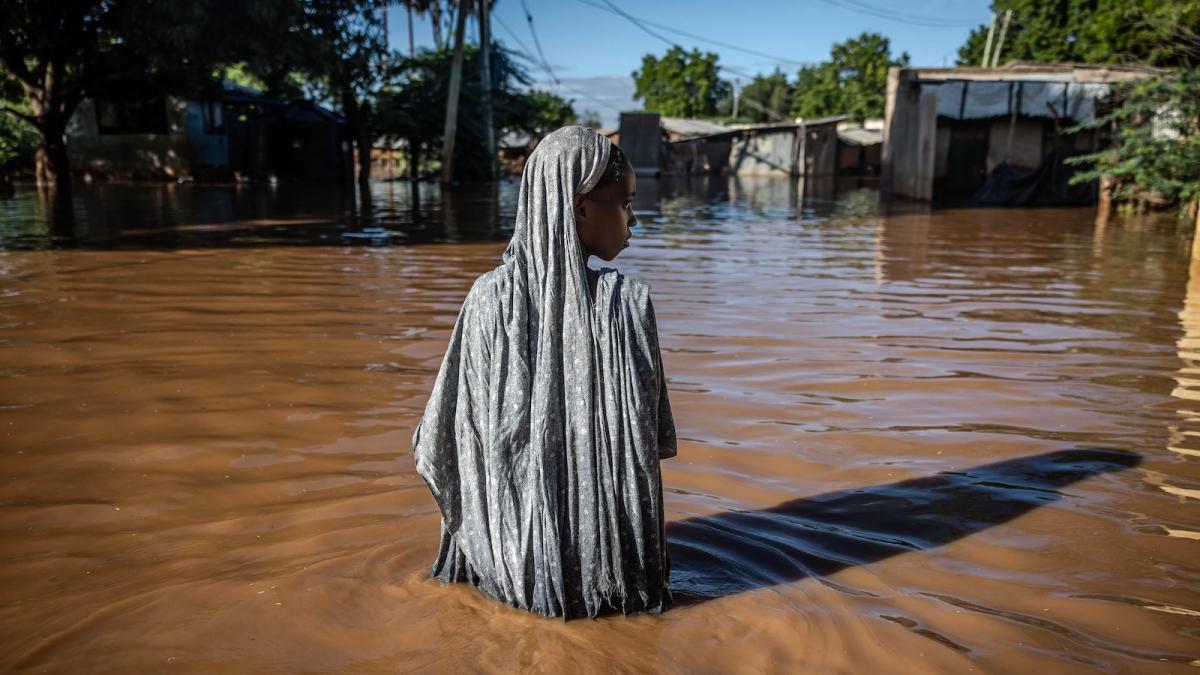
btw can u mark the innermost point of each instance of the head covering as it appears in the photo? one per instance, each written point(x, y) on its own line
point(507, 449)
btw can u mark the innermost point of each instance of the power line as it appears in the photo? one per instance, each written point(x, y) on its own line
point(618, 11)
point(751, 102)
point(639, 21)
point(871, 10)
point(537, 43)
point(545, 66)
point(525, 50)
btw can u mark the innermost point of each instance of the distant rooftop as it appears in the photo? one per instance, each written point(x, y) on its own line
point(1032, 70)
point(683, 126)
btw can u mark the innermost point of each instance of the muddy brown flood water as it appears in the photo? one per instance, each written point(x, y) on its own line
point(910, 442)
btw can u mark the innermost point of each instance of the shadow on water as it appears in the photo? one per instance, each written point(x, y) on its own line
point(727, 553)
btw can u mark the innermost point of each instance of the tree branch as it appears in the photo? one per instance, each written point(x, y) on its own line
point(20, 115)
point(16, 65)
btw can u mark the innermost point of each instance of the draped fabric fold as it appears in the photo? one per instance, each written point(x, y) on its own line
point(541, 438)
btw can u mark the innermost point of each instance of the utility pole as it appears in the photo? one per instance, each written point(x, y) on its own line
point(411, 51)
point(485, 80)
point(451, 128)
point(1000, 42)
point(987, 46)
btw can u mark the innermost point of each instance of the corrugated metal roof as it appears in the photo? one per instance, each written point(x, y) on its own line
point(799, 121)
point(516, 139)
point(683, 126)
point(860, 136)
point(1029, 70)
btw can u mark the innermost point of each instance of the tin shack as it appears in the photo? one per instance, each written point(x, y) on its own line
point(993, 136)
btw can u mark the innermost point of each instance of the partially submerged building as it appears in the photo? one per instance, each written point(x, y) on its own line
point(993, 135)
point(238, 134)
point(659, 145)
point(860, 147)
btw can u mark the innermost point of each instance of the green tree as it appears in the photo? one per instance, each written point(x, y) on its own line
point(680, 84)
point(588, 118)
point(58, 53)
point(411, 105)
point(343, 53)
point(18, 145)
point(853, 81)
point(18, 138)
point(55, 54)
point(1087, 31)
point(768, 98)
point(817, 92)
point(1155, 156)
point(543, 112)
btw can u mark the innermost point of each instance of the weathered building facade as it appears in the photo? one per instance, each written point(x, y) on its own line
point(992, 135)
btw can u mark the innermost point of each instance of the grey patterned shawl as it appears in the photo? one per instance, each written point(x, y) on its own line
point(549, 486)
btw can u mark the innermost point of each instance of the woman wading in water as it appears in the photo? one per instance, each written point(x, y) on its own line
point(542, 436)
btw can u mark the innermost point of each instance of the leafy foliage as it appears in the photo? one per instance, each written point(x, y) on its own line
point(680, 84)
point(768, 98)
point(55, 54)
point(853, 81)
point(1156, 153)
point(1088, 31)
point(18, 142)
point(412, 103)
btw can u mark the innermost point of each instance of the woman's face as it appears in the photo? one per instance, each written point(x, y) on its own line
point(604, 216)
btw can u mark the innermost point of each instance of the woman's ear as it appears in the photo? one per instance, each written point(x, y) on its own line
point(579, 206)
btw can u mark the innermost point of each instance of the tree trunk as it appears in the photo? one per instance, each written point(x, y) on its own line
point(364, 145)
point(50, 113)
point(414, 160)
point(52, 164)
point(435, 12)
point(451, 129)
point(356, 121)
point(485, 78)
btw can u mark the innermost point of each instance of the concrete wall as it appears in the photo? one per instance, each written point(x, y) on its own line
point(129, 156)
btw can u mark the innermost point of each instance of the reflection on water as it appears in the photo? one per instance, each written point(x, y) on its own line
point(175, 216)
point(910, 440)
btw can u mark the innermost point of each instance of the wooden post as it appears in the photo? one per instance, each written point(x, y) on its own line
point(451, 128)
point(926, 147)
point(1196, 232)
point(887, 155)
point(1012, 122)
point(1104, 203)
point(802, 151)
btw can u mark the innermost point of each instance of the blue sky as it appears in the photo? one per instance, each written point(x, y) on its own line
point(592, 50)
